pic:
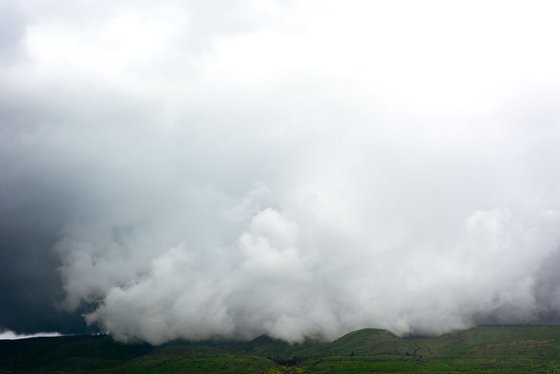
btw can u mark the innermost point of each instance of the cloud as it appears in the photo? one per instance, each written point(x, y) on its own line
point(10, 335)
point(183, 170)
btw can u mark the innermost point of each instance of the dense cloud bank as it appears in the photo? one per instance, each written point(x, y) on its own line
point(297, 169)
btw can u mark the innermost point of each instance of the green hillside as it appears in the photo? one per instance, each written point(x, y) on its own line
point(489, 349)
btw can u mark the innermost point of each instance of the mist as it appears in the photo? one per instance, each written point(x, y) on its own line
point(10, 335)
point(303, 169)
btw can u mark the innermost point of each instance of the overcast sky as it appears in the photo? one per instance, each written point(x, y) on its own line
point(192, 169)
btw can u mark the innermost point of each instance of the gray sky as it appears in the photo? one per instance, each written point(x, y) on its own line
point(291, 168)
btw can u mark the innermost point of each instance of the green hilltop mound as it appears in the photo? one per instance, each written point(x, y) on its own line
point(371, 342)
point(486, 349)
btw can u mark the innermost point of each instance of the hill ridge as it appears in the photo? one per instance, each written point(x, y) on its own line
point(486, 349)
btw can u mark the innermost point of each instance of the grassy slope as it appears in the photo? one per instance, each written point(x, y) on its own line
point(507, 349)
point(492, 349)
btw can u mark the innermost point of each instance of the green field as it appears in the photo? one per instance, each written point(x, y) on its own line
point(489, 349)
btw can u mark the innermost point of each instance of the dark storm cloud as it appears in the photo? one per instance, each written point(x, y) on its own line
point(249, 168)
point(31, 217)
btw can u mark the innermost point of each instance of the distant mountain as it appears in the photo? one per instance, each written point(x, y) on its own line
point(488, 349)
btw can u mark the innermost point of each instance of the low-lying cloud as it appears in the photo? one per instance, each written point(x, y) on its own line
point(189, 170)
point(10, 335)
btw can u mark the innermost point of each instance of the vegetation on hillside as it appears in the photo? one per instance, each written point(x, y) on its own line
point(489, 349)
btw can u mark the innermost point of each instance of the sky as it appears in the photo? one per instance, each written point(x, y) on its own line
point(300, 169)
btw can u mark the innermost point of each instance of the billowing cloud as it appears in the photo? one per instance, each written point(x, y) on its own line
point(296, 169)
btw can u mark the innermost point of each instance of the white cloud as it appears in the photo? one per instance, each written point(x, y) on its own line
point(296, 169)
point(10, 335)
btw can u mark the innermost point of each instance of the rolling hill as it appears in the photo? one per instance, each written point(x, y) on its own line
point(487, 349)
